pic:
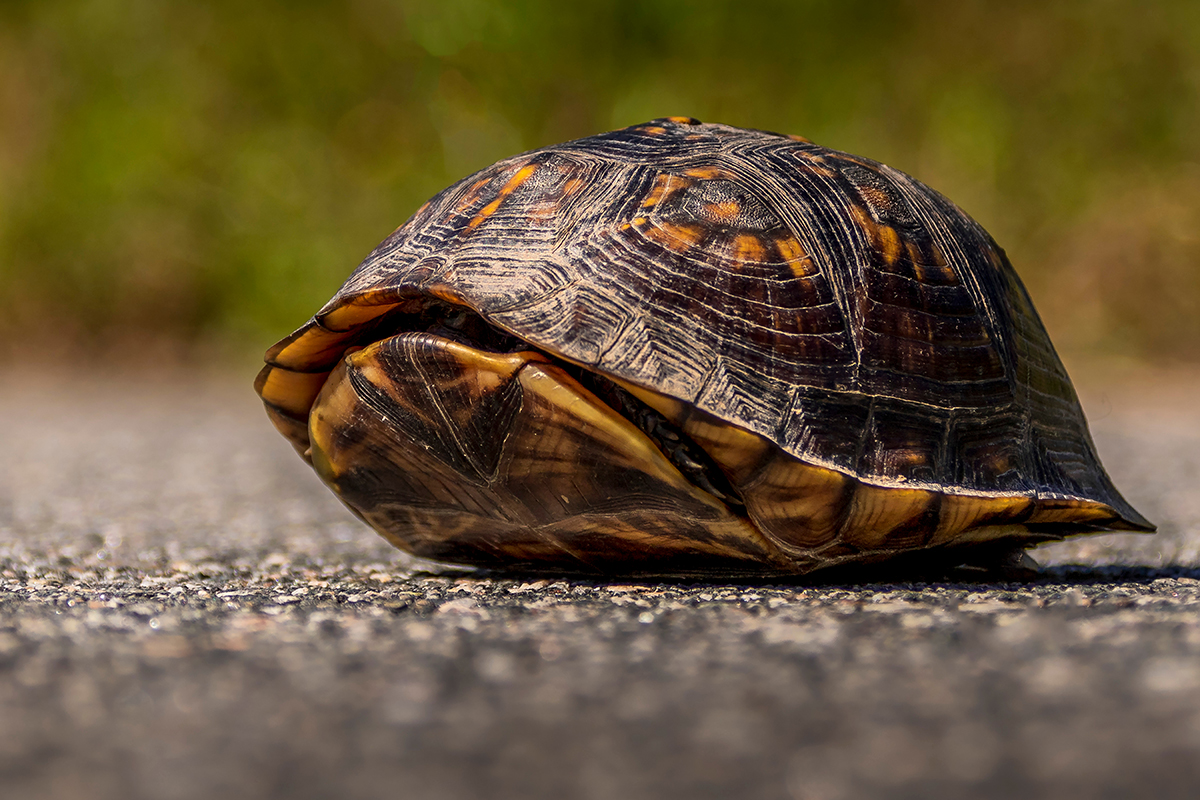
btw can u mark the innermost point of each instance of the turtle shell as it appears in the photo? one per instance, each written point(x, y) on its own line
point(797, 358)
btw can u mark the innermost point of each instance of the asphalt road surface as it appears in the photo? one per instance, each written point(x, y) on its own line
point(186, 613)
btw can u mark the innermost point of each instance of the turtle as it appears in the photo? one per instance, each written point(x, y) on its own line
point(697, 350)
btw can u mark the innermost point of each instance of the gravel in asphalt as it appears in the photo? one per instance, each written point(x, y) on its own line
point(185, 612)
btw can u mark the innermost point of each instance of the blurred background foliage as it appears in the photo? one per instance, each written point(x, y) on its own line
point(204, 175)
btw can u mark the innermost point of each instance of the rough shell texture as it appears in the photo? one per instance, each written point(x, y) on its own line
point(835, 306)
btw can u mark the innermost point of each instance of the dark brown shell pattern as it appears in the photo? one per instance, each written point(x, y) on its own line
point(850, 356)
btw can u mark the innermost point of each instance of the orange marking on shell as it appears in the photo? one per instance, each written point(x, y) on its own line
point(667, 236)
point(863, 219)
point(876, 198)
point(749, 248)
point(889, 243)
point(883, 239)
point(654, 130)
point(683, 120)
point(472, 194)
point(797, 138)
point(573, 185)
point(914, 253)
point(802, 267)
point(792, 252)
point(817, 166)
point(687, 236)
point(542, 213)
point(725, 211)
point(938, 258)
point(709, 173)
point(657, 191)
point(903, 460)
point(659, 236)
point(487, 211)
point(516, 180)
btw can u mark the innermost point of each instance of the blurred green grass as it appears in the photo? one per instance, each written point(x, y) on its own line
point(206, 174)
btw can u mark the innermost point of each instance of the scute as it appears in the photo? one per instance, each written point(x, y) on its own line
point(852, 321)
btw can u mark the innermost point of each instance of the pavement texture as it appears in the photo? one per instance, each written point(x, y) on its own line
point(186, 612)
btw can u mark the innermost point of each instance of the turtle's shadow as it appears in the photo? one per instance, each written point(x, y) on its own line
point(1058, 575)
point(1062, 574)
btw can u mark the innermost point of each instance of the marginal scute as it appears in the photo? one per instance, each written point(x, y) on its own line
point(289, 391)
point(355, 314)
point(671, 408)
point(310, 349)
point(994, 533)
point(1070, 511)
point(737, 451)
point(960, 513)
point(890, 517)
point(800, 506)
